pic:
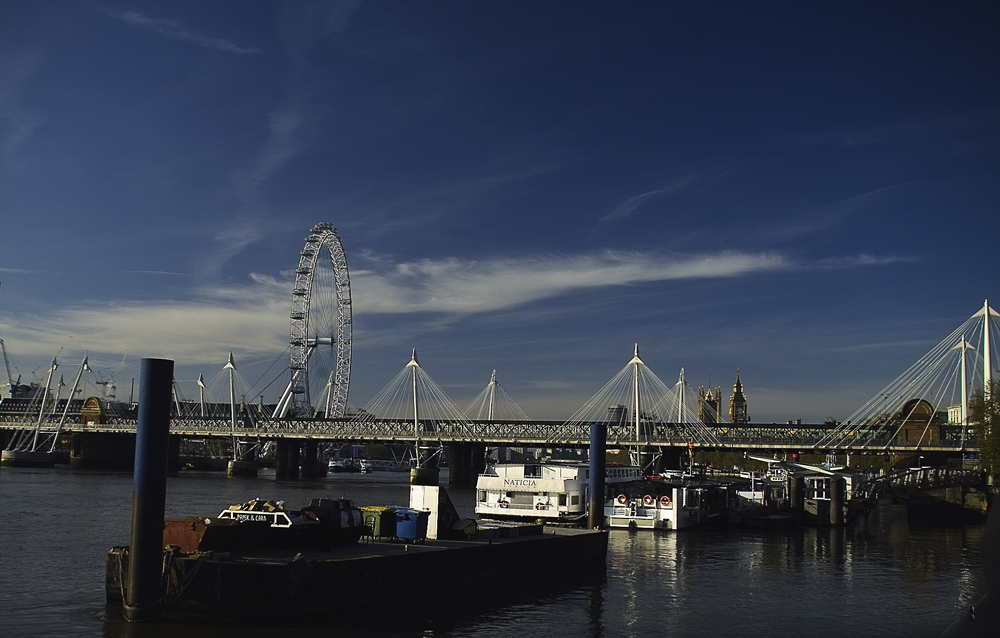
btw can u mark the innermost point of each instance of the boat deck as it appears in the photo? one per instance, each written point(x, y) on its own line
point(287, 581)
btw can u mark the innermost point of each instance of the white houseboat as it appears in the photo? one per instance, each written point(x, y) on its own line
point(552, 490)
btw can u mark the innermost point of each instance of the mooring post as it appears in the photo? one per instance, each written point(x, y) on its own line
point(149, 492)
point(598, 454)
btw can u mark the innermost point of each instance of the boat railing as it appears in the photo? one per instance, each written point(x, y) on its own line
point(535, 507)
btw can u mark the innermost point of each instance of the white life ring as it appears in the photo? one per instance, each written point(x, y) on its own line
point(621, 500)
point(647, 500)
point(539, 506)
point(665, 501)
point(503, 504)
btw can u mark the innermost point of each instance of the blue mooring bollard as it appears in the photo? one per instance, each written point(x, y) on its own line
point(149, 495)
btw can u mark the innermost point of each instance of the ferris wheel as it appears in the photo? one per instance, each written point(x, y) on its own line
point(320, 335)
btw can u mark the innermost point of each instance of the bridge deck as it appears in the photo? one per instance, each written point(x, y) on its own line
point(772, 436)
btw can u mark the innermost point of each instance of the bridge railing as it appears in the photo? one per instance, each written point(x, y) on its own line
point(513, 433)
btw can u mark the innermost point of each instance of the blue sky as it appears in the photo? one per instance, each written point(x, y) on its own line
point(804, 191)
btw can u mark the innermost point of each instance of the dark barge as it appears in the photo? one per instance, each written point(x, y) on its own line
point(276, 582)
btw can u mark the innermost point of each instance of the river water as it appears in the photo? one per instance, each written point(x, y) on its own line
point(886, 577)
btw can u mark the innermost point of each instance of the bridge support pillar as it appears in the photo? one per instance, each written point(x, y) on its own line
point(837, 487)
point(103, 451)
point(455, 469)
point(424, 476)
point(294, 458)
point(174, 454)
point(798, 495)
point(459, 463)
point(281, 459)
point(478, 461)
point(465, 463)
point(311, 465)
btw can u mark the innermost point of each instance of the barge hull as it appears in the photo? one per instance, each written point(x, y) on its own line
point(367, 575)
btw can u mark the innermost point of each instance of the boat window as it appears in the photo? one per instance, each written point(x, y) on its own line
point(819, 488)
point(576, 499)
point(562, 499)
point(482, 496)
point(532, 471)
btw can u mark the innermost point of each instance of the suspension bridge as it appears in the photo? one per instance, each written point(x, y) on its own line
point(926, 409)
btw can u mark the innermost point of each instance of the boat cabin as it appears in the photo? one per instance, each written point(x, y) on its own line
point(550, 490)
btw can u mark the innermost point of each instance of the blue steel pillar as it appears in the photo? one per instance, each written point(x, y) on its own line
point(149, 495)
point(598, 458)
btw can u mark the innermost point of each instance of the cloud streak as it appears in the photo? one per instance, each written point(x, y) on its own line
point(174, 30)
point(856, 261)
point(467, 287)
point(252, 319)
point(630, 205)
point(831, 215)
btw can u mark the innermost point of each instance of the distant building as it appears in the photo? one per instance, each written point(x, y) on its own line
point(709, 405)
point(738, 403)
point(918, 421)
point(955, 415)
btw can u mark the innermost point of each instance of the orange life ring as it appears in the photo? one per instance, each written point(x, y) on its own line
point(647, 500)
point(665, 501)
point(539, 506)
point(504, 504)
point(621, 499)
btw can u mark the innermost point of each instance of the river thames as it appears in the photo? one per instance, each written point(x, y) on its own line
point(884, 577)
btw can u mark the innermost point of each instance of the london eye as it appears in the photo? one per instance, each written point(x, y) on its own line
point(320, 330)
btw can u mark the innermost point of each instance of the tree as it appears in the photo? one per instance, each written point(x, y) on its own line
point(984, 414)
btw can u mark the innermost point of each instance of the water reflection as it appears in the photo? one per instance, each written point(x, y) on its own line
point(886, 578)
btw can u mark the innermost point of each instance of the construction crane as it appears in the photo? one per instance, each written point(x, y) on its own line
point(16, 389)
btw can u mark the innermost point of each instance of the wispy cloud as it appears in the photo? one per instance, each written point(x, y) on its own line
point(157, 272)
point(856, 261)
point(465, 287)
point(628, 207)
point(175, 30)
point(828, 216)
point(290, 129)
point(252, 319)
point(17, 120)
point(195, 331)
point(919, 124)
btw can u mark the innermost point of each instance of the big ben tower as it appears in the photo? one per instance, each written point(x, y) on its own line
point(738, 403)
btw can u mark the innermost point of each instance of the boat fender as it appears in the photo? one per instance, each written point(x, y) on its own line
point(665, 501)
point(647, 500)
point(621, 499)
point(539, 506)
point(504, 504)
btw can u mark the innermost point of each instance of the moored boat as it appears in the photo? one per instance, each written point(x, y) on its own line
point(551, 490)
point(661, 504)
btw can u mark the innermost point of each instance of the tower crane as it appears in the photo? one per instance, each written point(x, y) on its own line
point(16, 389)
